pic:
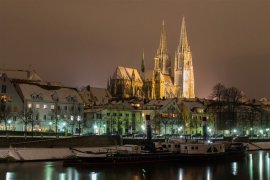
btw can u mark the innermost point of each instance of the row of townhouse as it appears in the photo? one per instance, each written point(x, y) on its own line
point(35, 105)
point(168, 116)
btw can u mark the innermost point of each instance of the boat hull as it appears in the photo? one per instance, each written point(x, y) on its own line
point(134, 159)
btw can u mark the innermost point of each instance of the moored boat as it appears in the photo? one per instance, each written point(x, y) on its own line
point(171, 151)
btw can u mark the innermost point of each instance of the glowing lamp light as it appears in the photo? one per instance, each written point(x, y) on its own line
point(143, 127)
point(261, 131)
point(9, 121)
point(267, 129)
point(95, 126)
point(180, 128)
point(235, 131)
point(50, 123)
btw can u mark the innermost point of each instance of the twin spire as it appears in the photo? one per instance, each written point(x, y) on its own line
point(163, 50)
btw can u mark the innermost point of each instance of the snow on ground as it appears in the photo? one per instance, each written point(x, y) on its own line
point(258, 146)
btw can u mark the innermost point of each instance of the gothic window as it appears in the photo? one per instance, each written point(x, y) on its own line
point(37, 106)
point(44, 117)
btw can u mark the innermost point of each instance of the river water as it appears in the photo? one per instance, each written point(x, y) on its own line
point(255, 166)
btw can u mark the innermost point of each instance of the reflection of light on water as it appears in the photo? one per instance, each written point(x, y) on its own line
point(180, 174)
point(250, 167)
point(136, 177)
point(267, 165)
point(10, 175)
point(260, 165)
point(72, 174)
point(48, 170)
point(62, 176)
point(93, 176)
point(234, 168)
point(208, 173)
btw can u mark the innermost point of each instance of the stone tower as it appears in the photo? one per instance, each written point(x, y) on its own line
point(183, 68)
point(162, 60)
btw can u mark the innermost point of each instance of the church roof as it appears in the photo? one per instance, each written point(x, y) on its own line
point(126, 73)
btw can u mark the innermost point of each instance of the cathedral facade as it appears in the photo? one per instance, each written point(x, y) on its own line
point(165, 80)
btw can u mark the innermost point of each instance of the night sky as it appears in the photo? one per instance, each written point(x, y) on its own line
point(80, 42)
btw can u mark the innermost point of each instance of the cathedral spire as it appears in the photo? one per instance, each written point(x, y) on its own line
point(183, 43)
point(162, 59)
point(183, 66)
point(163, 40)
point(142, 65)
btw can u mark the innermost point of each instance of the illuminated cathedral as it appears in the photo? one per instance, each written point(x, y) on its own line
point(165, 80)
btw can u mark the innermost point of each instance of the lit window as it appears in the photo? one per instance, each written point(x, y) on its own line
point(37, 106)
point(52, 106)
point(29, 105)
point(45, 106)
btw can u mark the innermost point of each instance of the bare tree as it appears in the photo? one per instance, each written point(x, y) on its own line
point(26, 117)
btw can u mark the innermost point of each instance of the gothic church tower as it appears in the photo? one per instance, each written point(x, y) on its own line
point(183, 68)
point(162, 60)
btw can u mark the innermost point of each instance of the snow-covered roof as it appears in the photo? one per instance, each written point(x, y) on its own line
point(97, 96)
point(127, 73)
point(46, 93)
point(193, 104)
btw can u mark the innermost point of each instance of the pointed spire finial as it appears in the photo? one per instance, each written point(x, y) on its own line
point(142, 65)
point(183, 43)
point(163, 40)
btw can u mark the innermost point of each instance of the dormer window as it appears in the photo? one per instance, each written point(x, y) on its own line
point(34, 96)
point(71, 99)
point(54, 96)
point(39, 96)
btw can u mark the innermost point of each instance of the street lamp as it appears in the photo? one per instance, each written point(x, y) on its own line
point(179, 129)
point(79, 121)
point(104, 128)
point(9, 123)
point(95, 128)
point(143, 127)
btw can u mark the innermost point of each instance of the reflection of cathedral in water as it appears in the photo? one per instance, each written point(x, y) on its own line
point(165, 80)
